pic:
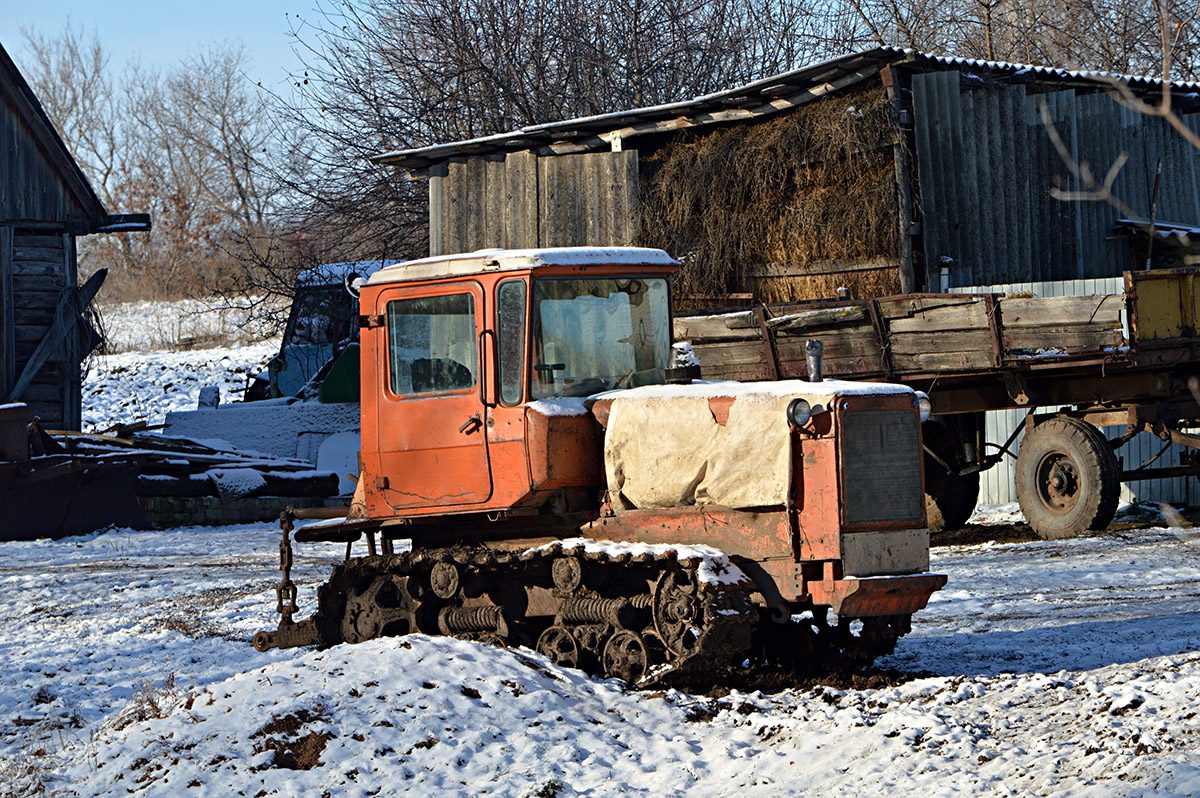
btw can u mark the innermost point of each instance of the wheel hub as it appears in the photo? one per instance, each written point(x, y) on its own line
point(1058, 482)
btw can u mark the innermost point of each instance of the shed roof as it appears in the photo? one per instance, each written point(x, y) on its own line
point(14, 88)
point(752, 100)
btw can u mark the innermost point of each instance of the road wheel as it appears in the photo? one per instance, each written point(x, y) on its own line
point(1068, 479)
point(949, 498)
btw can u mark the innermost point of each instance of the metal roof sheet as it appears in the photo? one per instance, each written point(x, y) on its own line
point(764, 94)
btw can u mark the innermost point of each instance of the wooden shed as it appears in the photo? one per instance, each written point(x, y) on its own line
point(883, 171)
point(46, 203)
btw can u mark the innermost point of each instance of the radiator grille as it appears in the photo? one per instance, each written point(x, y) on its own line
point(881, 466)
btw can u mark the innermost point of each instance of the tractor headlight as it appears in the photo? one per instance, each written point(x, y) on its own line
point(798, 413)
point(923, 406)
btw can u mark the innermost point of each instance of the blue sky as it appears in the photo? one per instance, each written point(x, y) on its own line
point(159, 33)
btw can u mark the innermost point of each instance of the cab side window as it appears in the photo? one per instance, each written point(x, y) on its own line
point(510, 303)
point(431, 344)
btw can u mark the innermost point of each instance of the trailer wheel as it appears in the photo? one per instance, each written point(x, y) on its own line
point(949, 498)
point(1068, 478)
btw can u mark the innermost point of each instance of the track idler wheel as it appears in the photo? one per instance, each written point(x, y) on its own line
point(567, 573)
point(559, 645)
point(380, 609)
point(678, 611)
point(444, 580)
point(626, 656)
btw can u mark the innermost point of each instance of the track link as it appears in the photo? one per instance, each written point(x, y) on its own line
point(642, 614)
point(645, 618)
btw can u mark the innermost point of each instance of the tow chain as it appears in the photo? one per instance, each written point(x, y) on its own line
point(289, 633)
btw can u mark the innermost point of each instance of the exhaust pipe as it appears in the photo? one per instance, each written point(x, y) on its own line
point(814, 351)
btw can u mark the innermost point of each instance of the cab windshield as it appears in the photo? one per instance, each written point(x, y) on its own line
point(597, 334)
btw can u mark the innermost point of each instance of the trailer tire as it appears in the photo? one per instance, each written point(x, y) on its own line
point(1068, 478)
point(949, 498)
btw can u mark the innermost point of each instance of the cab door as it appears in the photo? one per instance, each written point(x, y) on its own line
point(431, 416)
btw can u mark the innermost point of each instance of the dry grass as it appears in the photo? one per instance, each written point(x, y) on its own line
point(147, 703)
point(27, 776)
point(815, 184)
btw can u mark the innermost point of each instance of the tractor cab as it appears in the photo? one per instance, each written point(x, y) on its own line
point(480, 363)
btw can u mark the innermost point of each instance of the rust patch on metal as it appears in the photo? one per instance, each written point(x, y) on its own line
point(719, 406)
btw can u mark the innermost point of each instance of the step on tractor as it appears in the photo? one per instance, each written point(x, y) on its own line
point(539, 468)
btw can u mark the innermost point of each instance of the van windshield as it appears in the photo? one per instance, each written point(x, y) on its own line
point(597, 334)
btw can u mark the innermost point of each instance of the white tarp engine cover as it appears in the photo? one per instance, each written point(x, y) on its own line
point(665, 446)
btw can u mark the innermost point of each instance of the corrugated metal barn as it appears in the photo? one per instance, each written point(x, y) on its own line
point(45, 204)
point(878, 168)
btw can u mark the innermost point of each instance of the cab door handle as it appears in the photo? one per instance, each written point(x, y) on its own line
point(471, 424)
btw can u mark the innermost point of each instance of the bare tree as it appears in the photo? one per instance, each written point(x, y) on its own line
point(187, 145)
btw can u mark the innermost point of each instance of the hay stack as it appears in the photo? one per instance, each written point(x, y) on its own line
point(781, 196)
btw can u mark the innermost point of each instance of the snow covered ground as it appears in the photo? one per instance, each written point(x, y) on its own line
point(148, 376)
point(195, 323)
point(1067, 668)
point(1064, 668)
point(144, 386)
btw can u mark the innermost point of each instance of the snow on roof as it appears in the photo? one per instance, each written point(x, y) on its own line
point(336, 273)
point(492, 260)
point(750, 100)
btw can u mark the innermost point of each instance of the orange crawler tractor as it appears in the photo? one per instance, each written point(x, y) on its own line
point(557, 482)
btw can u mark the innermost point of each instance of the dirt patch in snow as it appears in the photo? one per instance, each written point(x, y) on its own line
point(774, 680)
point(293, 750)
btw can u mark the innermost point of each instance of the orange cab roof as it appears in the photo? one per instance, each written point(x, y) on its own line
point(503, 260)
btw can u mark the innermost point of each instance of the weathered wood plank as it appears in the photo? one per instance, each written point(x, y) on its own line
point(834, 346)
point(520, 200)
point(37, 315)
point(630, 208)
point(24, 350)
point(800, 322)
point(897, 307)
point(729, 354)
point(527, 176)
point(437, 199)
point(454, 208)
point(593, 224)
point(26, 240)
point(960, 317)
point(37, 283)
point(1068, 337)
point(956, 341)
point(495, 200)
point(34, 268)
point(732, 326)
point(774, 271)
point(574, 199)
point(33, 299)
point(47, 254)
point(474, 203)
point(941, 361)
point(722, 371)
point(548, 233)
point(1102, 310)
point(29, 333)
point(43, 392)
point(842, 367)
point(8, 365)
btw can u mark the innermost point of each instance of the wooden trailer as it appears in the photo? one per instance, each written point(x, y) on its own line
point(1074, 363)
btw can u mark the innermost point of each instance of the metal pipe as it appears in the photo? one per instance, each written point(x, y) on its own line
point(814, 351)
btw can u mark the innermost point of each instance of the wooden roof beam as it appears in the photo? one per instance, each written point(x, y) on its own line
point(615, 137)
